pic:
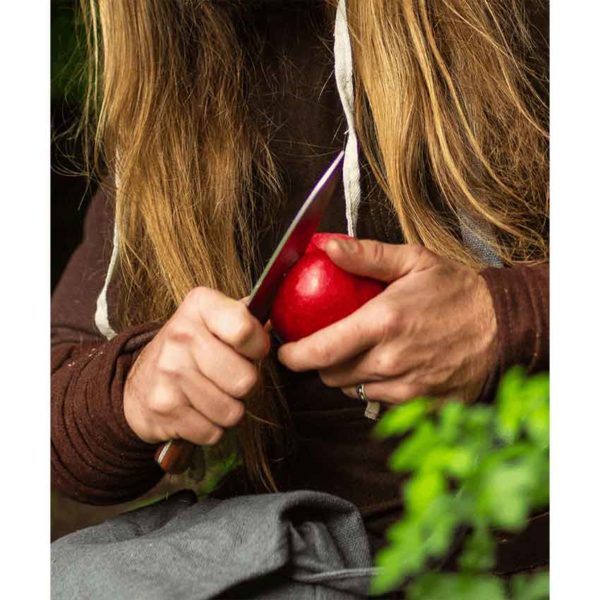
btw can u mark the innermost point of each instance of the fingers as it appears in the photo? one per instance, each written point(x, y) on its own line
point(231, 322)
point(231, 373)
point(219, 408)
point(185, 404)
point(190, 425)
point(335, 344)
point(385, 361)
point(355, 371)
point(370, 258)
point(391, 391)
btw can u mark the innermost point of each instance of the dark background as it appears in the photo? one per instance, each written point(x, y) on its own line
point(70, 190)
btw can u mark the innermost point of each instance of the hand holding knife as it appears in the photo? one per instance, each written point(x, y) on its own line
point(174, 456)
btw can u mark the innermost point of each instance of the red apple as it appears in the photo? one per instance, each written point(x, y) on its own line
point(316, 293)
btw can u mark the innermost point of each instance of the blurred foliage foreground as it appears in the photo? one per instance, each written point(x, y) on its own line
point(480, 469)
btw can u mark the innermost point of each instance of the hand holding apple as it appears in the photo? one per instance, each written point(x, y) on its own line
point(431, 331)
point(316, 292)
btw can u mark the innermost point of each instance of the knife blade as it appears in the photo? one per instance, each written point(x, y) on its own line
point(174, 456)
point(294, 242)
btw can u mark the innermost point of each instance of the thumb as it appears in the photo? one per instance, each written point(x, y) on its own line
point(370, 258)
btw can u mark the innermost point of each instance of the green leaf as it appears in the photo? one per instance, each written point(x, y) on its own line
point(402, 418)
point(407, 531)
point(538, 386)
point(537, 423)
point(510, 404)
point(423, 490)
point(504, 495)
point(539, 463)
point(409, 455)
point(439, 524)
point(478, 420)
point(458, 462)
point(446, 586)
point(524, 403)
point(479, 551)
point(530, 587)
point(398, 561)
point(451, 420)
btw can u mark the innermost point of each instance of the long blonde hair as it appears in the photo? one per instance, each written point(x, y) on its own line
point(444, 86)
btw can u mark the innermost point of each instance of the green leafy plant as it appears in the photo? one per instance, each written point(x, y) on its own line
point(480, 468)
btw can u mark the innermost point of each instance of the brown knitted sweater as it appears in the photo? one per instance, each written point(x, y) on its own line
point(97, 459)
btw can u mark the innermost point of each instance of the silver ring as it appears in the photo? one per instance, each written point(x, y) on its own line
point(360, 390)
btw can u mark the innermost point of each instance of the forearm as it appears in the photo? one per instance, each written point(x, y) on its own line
point(96, 458)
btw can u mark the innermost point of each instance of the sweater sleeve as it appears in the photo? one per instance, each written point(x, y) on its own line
point(521, 302)
point(95, 456)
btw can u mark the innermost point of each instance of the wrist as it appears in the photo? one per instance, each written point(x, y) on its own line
point(132, 406)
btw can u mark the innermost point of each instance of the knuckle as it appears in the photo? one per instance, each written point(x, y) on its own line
point(178, 333)
point(169, 371)
point(420, 253)
point(378, 251)
point(213, 436)
point(327, 378)
point(245, 383)
point(199, 300)
point(409, 388)
point(170, 347)
point(243, 329)
point(265, 347)
point(196, 296)
point(386, 364)
point(323, 355)
point(416, 249)
point(413, 391)
point(161, 402)
point(166, 363)
point(234, 414)
point(388, 319)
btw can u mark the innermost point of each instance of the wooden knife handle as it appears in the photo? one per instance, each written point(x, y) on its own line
point(174, 456)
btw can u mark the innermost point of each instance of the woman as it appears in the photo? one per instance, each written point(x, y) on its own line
point(214, 119)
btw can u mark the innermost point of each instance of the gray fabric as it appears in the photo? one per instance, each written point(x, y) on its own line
point(294, 545)
point(474, 236)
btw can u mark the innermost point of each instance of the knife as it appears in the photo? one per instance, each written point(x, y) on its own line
point(174, 456)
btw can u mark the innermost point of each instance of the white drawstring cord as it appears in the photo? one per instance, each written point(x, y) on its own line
point(101, 317)
point(342, 51)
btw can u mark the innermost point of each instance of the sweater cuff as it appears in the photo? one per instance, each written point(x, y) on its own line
point(97, 458)
point(520, 298)
point(126, 347)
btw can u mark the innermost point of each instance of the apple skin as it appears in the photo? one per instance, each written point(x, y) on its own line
point(316, 293)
